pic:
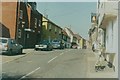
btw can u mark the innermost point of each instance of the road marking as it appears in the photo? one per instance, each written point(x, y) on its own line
point(29, 73)
point(61, 53)
point(16, 58)
point(52, 59)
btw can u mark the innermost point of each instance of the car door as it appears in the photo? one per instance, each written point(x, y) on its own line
point(14, 45)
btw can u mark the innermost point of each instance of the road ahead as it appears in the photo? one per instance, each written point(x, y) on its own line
point(68, 63)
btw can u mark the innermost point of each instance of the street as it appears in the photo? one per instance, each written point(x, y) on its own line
point(67, 63)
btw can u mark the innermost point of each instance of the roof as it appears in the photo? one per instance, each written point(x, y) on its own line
point(64, 32)
point(49, 21)
point(77, 36)
point(70, 31)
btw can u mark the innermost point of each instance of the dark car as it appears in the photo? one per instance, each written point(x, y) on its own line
point(44, 45)
point(57, 44)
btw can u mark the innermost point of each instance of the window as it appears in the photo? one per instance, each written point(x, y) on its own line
point(39, 23)
point(19, 33)
point(59, 31)
point(50, 27)
point(21, 14)
point(102, 5)
point(98, 4)
point(27, 35)
point(55, 29)
point(35, 22)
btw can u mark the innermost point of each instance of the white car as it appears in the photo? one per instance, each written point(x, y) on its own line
point(10, 46)
point(44, 45)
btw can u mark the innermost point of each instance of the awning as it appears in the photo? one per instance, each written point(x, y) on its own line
point(106, 19)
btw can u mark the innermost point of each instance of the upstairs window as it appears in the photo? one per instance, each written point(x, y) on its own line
point(59, 31)
point(21, 14)
point(39, 23)
point(35, 22)
point(55, 29)
point(50, 27)
point(19, 33)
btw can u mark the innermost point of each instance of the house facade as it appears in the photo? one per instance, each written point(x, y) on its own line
point(108, 34)
point(33, 33)
point(14, 18)
point(93, 31)
point(50, 31)
point(78, 39)
point(17, 21)
point(66, 39)
point(69, 33)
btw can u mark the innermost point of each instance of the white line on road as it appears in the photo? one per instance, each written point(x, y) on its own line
point(29, 73)
point(52, 59)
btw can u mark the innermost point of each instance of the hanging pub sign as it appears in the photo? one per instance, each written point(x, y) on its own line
point(93, 18)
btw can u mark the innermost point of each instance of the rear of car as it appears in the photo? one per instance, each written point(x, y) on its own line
point(4, 45)
point(10, 46)
point(74, 45)
point(44, 45)
point(57, 44)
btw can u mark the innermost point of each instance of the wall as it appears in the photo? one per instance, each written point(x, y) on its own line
point(9, 10)
point(51, 31)
point(111, 26)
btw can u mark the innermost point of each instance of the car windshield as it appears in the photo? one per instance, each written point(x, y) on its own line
point(55, 41)
point(3, 41)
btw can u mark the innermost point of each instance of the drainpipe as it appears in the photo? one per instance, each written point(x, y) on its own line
point(17, 20)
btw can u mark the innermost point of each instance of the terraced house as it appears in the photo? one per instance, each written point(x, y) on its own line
point(108, 35)
point(50, 30)
point(22, 22)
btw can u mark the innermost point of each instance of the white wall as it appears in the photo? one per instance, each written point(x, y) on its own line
point(69, 34)
point(111, 29)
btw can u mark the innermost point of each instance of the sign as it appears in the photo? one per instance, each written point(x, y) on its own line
point(93, 17)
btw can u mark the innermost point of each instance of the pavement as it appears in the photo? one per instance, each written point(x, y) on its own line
point(106, 73)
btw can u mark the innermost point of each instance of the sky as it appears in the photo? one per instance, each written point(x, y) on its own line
point(75, 15)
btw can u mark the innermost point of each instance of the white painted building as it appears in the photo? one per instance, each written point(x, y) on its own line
point(107, 11)
point(69, 33)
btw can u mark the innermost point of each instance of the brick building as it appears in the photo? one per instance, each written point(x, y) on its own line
point(21, 22)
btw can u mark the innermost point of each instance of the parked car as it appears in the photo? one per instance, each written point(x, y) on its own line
point(10, 46)
point(57, 44)
point(74, 45)
point(44, 45)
